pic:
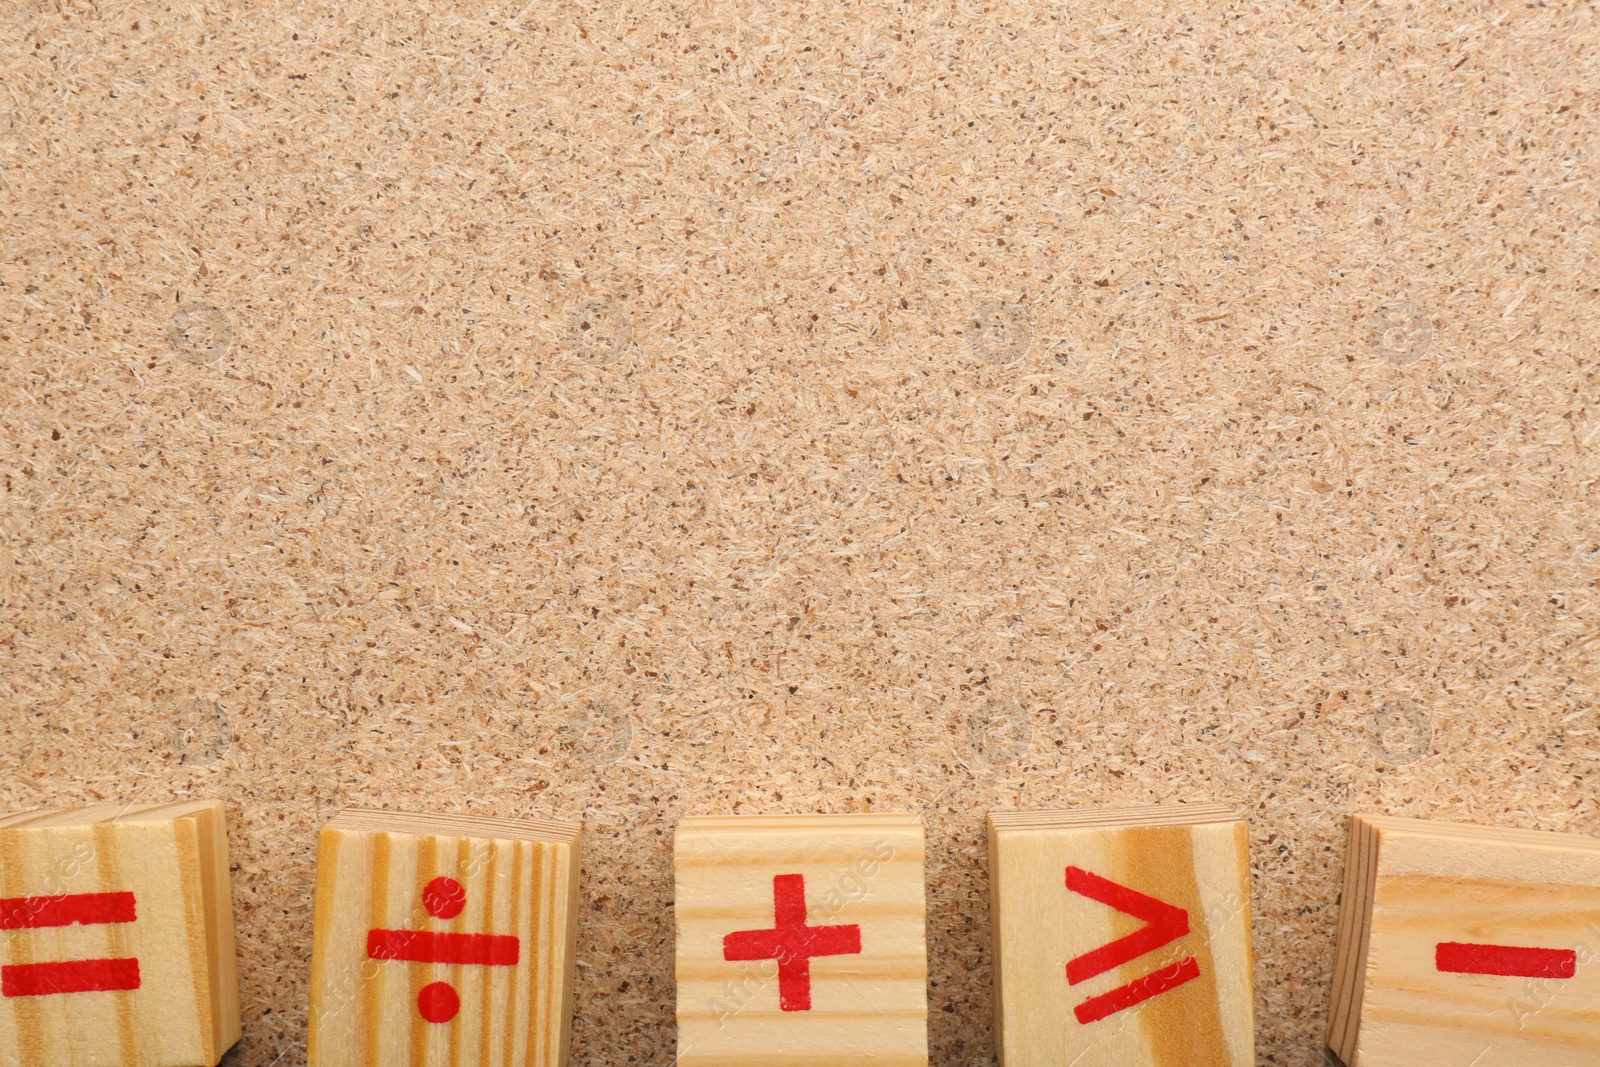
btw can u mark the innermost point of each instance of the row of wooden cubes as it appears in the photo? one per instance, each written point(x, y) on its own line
point(1121, 938)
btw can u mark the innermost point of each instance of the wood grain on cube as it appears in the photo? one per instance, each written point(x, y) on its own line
point(1467, 944)
point(443, 940)
point(1068, 887)
point(116, 937)
point(801, 941)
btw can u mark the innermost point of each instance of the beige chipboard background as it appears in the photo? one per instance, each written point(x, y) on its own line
point(621, 412)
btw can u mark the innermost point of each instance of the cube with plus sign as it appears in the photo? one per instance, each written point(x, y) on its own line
point(801, 941)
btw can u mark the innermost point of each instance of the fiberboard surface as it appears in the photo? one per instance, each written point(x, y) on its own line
point(316, 493)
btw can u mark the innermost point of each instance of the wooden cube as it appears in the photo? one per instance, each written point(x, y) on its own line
point(117, 942)
point(801, 941)
point(1467, 944)
point(1122, 937)
point(443, 939)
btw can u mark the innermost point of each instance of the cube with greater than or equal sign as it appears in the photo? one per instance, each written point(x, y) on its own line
point(801, 941)
point(116, 937)
point(1467, 944)
point(1122, 937)
point(443, 940)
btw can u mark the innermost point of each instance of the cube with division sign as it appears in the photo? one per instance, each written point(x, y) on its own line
point(116, 937)
point(1467, 944)
point(1122, 937)
point(443, 940)
point(801, 941)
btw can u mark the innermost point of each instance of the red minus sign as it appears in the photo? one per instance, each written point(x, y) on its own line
point(75, 976)
point(1459, 957)
point(426, 946)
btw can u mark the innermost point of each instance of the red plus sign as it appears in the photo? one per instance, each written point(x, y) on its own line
point(791, 942)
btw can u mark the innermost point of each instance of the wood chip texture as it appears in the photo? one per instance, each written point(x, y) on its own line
point(628, 411)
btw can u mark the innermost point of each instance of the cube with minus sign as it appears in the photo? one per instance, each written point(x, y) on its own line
point(116, 937)
point(443, 939)
point(1462, 944)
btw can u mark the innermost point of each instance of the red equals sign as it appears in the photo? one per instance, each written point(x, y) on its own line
point(67, 976)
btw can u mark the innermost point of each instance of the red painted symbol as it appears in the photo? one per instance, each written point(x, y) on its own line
point(791, 942)
point(1459, 957)
point(443, 898)
point(68, 976)
point(1164, 924)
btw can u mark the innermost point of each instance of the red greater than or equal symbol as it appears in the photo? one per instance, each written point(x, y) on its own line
point(1164, 924)
point(792, 942)
point(67, 976)
point(1458, 957)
